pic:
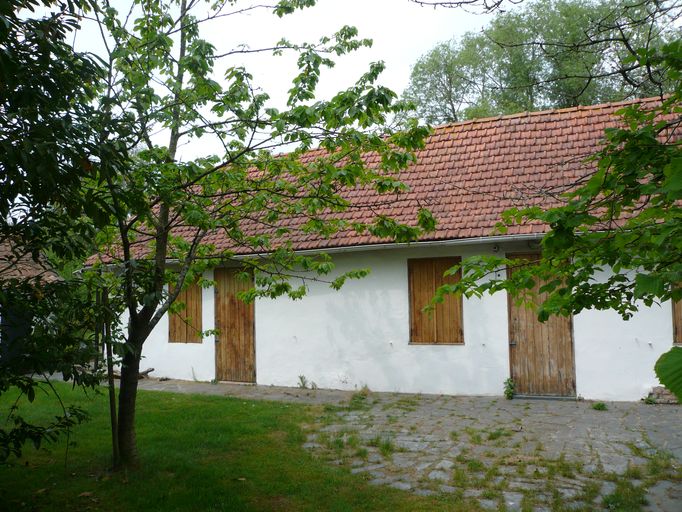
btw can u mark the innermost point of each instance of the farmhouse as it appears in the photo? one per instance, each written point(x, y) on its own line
point(372, 332)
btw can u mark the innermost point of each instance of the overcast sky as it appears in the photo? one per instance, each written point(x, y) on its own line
point(401, 30)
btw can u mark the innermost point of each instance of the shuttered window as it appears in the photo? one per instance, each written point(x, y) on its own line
point(185, 326)
point(677, 322)
point(444, 324)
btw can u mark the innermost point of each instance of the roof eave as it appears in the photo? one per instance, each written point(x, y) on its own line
point(496, 239)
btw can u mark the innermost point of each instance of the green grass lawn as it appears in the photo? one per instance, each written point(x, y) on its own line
point(197, 452)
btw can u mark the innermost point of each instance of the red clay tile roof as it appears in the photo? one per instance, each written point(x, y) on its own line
point(19, 266)
point(469, 173)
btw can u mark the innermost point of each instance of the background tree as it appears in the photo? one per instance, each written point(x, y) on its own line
point(55, 337)
point(453, 81)
point(47, 129)
point(165, 209)
point(48, 134)
point(543, 54)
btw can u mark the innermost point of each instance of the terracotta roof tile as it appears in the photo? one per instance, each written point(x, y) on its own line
point(17, 265)
point(470, 172)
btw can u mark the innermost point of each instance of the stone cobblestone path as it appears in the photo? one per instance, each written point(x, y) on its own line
point(490, 453)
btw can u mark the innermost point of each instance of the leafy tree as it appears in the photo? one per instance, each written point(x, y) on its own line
point(546, 54)
point(48, 135)
point(56, 338)
point(165, 212)
point(451, 82)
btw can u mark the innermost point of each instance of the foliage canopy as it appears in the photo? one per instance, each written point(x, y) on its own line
point(101, 159)
point(48, 133)
point(543, 54)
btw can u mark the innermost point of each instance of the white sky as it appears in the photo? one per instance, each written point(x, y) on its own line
point(401, 30)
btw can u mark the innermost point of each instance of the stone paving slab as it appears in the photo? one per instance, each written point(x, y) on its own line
point(248, 391)
point(489, 452)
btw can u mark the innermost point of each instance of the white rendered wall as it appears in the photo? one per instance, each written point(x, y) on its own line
point(360, 335)
point(187, 361)
point(615, 358)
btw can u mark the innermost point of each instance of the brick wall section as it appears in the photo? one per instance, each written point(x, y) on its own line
point(661, 395)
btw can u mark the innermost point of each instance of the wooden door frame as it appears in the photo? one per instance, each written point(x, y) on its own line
point(517, 254)
point(217, 341)
point(676, 307)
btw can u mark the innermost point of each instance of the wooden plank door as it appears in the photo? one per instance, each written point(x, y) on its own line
point(540, 353)
point(677, 322)
point(235, 347)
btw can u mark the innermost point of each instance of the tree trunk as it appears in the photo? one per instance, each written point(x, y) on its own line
point(127, 397)
point(141, 323)
point(110, 377)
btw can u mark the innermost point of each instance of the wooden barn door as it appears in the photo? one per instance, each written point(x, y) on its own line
point(235, 347)
point(677, 322)
point(540, 354)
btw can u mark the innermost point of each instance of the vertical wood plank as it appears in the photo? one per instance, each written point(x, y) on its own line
point(220, 325)
point(173, 328)
point(190, 311)
point(430, 322)
point(186, 325)
point(235, 347)
point(194, 327)
point(541, 354)
point(677, 322)
point(444, 323)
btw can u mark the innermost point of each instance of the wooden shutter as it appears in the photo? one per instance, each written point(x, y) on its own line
point(185, 326)
point(677, 322)
point(444, 324)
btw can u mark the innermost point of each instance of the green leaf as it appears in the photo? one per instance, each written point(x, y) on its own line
point(673, 180)
point(647, 284)
point(669, 371)
point(426, 220)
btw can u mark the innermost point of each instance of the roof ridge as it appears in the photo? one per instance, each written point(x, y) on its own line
point(534, 113)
